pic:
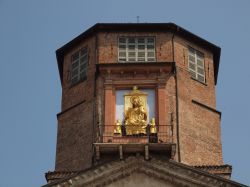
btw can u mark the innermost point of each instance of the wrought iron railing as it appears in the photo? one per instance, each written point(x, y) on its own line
point(162, 134)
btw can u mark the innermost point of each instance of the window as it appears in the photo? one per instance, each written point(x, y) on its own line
point(79, 66)
point(136, 49)
point(196, 64)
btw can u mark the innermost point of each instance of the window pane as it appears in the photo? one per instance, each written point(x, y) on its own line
point(136, 49)
point(75, 56)
point(151, 40)
point(193, 74)
point(131, 59)
point(191, 58)
point(131, 54)
point(74, 72)
point(200, 70)
point(122, 40)
point(151, 59)
point(151, 54)
point(123, 47)
point(150, 46)
point(131, 47)
point(122, 59)
point(201, 78)
point(75, 64)
point(79, 64)
point(83, 66)
point(196, 64)
point(200, 63)
point(141, 40)
point(83, 59)
point(131, 40)
point(122, 54)
point(141, 54)
point(141, 59)
point(141, 47)
point(192, 66)
point(74, 80)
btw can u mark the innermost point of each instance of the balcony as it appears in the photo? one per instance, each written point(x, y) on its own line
point(122, 144)
point(118, 76)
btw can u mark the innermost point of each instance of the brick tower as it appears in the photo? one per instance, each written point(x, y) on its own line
point(138, 90)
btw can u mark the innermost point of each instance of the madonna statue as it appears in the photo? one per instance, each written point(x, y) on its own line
point(136, 117)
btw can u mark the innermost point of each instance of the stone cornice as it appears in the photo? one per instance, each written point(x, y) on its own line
point(127, 74)
point(145, 68)
point(162, 169)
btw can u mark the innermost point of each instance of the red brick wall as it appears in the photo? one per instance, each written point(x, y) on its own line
point(200, 141)
point(74, 139)
point(75, 125)
point(199, 127)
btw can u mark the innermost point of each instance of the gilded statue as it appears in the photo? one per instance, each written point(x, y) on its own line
point(136, 115)
point(118, 128)
point(153, 129)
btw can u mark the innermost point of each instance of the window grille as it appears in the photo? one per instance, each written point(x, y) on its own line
point(196, 64)
point(79, 66)
point(136, 49)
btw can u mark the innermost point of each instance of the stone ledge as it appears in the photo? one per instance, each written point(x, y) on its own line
point(167, 149)
point(220, 170)
point(52, 176)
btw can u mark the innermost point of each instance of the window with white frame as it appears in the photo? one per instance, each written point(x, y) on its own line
point(79, 66)
point(196, 64)
point(136, 49)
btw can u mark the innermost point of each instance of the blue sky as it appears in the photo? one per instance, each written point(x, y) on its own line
point(31, 31)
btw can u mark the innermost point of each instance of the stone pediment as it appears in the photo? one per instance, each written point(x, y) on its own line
point(135, 171)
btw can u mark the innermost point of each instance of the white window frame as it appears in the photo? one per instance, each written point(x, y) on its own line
point(126, 50)
point(79, 66)
point(196, 64)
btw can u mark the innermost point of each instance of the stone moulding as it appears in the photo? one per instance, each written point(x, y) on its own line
point(171, 172)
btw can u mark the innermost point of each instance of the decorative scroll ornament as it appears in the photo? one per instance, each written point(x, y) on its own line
point(135, 110)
